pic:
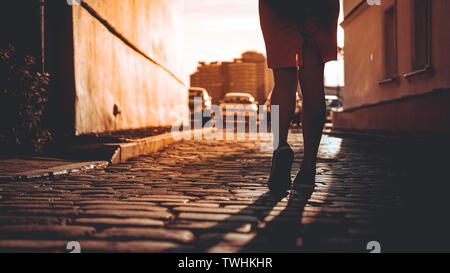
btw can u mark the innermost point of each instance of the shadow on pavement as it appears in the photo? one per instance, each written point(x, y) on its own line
point(263, 205)
point(392, 192)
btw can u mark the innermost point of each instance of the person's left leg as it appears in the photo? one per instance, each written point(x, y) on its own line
point(283, 95)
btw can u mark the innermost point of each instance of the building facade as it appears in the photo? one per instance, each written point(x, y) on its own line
point(397, 66)
point(114, 64)
point(247, 74)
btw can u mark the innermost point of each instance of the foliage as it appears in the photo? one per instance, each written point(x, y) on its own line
point(23, 104)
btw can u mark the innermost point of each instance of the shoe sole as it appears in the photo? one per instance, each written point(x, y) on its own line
point(281, 169)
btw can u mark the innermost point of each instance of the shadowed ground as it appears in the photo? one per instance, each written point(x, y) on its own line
point(211, 196)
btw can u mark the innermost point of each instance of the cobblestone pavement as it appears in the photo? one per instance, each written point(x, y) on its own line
point(211, 196)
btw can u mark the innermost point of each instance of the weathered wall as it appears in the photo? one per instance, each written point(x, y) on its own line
point(428, 113)
point(108, 72)
point(364, 38)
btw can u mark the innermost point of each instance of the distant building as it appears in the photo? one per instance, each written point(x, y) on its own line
point(241, 76)
point(397, 66)
point(246, 74)
point(210, 76)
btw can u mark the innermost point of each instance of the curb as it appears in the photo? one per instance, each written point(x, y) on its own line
point(126, 151)
point(359, 135)
point(108, 153)
point(56, 171)
point(388, 136)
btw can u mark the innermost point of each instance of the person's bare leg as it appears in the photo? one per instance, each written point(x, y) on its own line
point(284, 95)
point(314, 109)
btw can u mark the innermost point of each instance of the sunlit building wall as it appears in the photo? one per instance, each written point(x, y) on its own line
point(110, 75)
point(114, 64)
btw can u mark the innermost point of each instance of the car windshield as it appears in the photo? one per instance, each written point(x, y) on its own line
point(238, 99)
point(195, 93)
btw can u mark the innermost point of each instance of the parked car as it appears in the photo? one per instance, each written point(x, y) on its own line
point(296, 118)
point(238, 103)
point(333, 104)
point(205, 106)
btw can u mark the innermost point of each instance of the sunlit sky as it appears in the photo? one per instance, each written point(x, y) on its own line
point(221, 30)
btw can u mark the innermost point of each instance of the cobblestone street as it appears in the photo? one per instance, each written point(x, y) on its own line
point(211, 196)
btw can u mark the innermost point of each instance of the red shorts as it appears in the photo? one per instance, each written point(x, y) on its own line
point(285, 26)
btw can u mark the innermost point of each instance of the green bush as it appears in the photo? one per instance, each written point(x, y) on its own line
point(23, 104)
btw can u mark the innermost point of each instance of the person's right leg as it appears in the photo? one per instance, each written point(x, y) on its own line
point(283, 95)
point(314, 109)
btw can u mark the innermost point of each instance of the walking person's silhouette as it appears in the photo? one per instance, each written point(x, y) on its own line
point(300, 37)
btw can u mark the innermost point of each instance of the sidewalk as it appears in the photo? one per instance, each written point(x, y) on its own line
point(211, 196)
point(42, 167)
point(86, 157)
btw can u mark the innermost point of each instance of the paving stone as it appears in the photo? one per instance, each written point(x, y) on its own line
point(49, 212)
point(125, 207)
point(45, 231)
point(142, 246)
point(188, 205)
point(163, 199)
point(32, 220)
point(183, 236)
point(119, 222)
point(113, 202)
point(224, 248)
point(217, 217)
point(28, 246)
point(7, 207)
point(208, 226)
point(125, 213)
point(234, 239)
point(206, 210)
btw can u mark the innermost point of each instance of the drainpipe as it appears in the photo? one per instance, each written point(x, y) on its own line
point(42, 24)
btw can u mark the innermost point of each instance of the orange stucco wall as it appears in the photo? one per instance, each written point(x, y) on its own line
point(108, 72)
point(364, 63)
point(349, 5)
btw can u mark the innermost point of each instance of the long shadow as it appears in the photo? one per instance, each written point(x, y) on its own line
point(280, 234)
point(277, 231)
point(394, 192)
point(260, 209)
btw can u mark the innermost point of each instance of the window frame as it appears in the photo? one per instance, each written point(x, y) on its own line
point(428, 66)
point(390, 5)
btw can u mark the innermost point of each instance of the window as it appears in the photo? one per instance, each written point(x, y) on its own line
point(390, 42)
point(421, 48)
